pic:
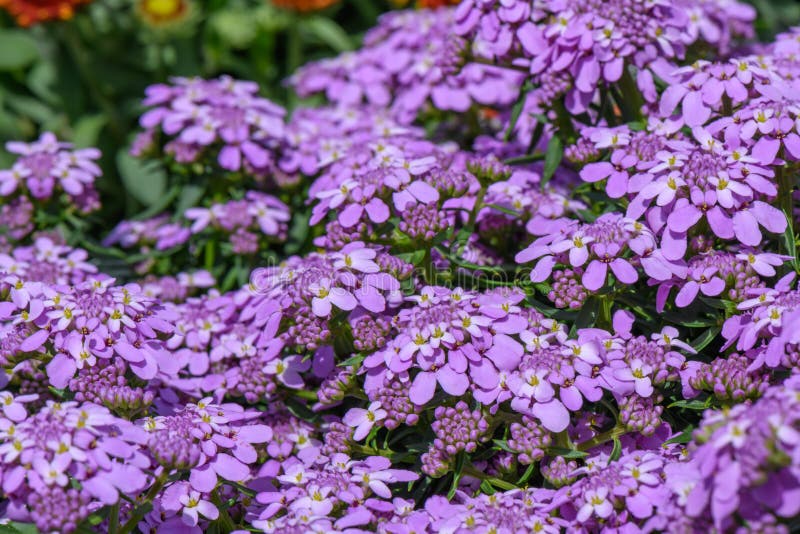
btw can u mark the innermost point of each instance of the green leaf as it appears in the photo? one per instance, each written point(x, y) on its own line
point(566, 453)
point(353, 360)
point(414, 258)
point(18, 49)
point(189, 196)
point(705, 338)
point(692, 404)
point(587, 317)
point(32, 108)
point(683, 437)
point(503, 209)
point(330, 33)
point(616, 451)
point(18, 528)
point(87, 130)
point(527, 475)
point(298, 233)
point(160, 205)
point(146, 181)
point(503, 444)
point(790, 242)
point(714, 303)
point(487, 487)
point(552, 158)
point(515, 113)
point(457, 474)
point(41, 80)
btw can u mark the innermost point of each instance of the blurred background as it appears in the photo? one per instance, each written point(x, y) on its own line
point(79, 68)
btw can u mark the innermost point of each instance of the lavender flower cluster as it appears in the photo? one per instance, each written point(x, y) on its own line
point(531, 267)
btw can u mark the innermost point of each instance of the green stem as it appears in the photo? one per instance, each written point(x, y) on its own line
point(73, 44)
point(562, 440)
point(224, 520)
point(785, 190)
point(113, 519)
point(727, 105)
point(599, 439)
point(604, 313)
point(494, 481)
point(294, 54)
point(386, 453)
point(530, 158)
point(427, 266)
point(632, 100)
point(139, 512)
point(308, 395)
point(566, 131)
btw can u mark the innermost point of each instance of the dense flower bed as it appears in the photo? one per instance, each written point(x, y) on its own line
point(529, 267)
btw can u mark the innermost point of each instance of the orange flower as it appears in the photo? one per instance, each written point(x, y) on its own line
point(163, 12)
point(426, 4)
point(433, 4)
point(304, 6)
point(27, 12)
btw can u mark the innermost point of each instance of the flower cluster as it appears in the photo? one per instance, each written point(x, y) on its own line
point(248, 224)
point(745, 454)
point(43, 171)
point(571, 48)
point(410, 62)
point(569, 306)
point(72, 329)
point(45, 453)
point(606, 245)
point(224, 118)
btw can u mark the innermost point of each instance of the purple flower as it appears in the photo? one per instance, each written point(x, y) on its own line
point(701, 280)
point(194, 507)
point(595, 503)
point(363, 420)
point(326, 296)
point(637, 372)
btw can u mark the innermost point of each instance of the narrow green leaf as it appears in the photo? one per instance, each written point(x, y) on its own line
point(692, 404)
point(566, 453)
point(503, 444)
point(18, 528)
point(527, 475)
point(18, 49)
point(146, 181)
point(87, 130)
point(503, 209)
point(458, 472)
point(515, 113)
point(616, 451)
point(683, 437)
point(790, 242)
point(487, 487)
point(588, 314)
point(330, 33)
point(702, 341)
point(353, 360)
point(414, 258)
point(552, 158)
point(189, 196)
